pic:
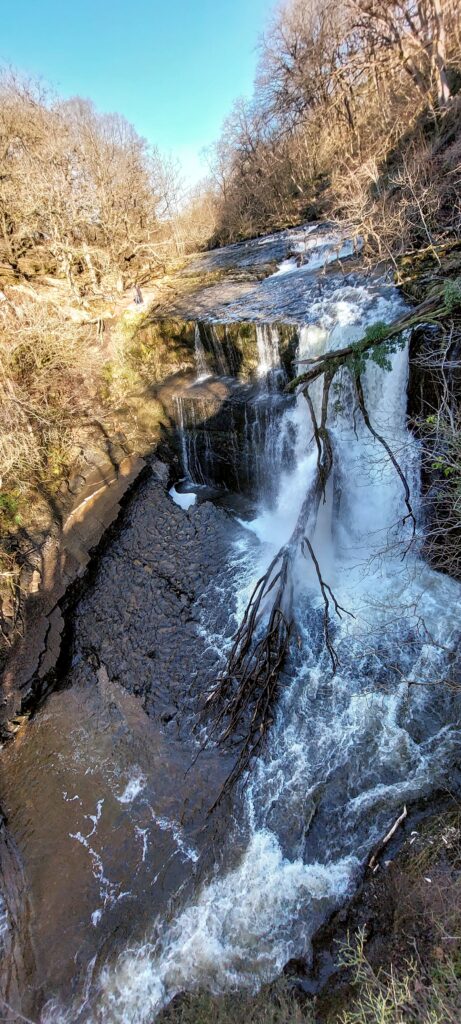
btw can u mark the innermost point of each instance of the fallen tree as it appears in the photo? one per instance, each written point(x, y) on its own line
point(380, 339)
point(247, 688)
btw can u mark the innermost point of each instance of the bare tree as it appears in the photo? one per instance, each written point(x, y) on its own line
point(81, 193)
point(339, 86)
point(411, 32)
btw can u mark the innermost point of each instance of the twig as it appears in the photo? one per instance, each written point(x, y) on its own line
point(17, 1014)
point(373, 862)
point(383, 442)
point(326, 589)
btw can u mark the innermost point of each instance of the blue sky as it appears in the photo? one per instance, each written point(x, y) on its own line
point(173, 68)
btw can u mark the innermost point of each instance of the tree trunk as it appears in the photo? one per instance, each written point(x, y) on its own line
point(94, 277)
point(439, 55)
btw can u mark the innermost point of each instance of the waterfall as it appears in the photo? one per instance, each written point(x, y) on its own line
point(269, 443)
point(271, 430)
point(346, 750)
point(196, 445)
point(267, 340)
point(221, 363)
point(250, 444)
point(200, 357)
point(245, 449)
point(181, 428)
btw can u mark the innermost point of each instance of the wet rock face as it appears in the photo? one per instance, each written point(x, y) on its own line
point(50, 570)
point(426, 382)
point(16, 947)
point(141, 617)
point(235, 444)
point(232, 348)
point(162, 347)
point(227, 415)
point(103, 790)
point(167, 345)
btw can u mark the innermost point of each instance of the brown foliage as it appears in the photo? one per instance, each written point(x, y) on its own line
point(45, 376)
point(82, 195)
point(351, 109)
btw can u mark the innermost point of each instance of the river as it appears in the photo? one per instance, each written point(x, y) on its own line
point(134, 891)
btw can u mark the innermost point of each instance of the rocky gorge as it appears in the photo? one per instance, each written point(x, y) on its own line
point(123, 889)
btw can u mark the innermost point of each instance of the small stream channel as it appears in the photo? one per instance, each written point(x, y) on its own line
point(134, 892)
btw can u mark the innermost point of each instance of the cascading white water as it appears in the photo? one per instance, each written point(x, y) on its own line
point(221, 363)
point(181, 426)
point(346, 750)
point(257, 443)
point(200, 357)
point(196, 447)
point(267, 340)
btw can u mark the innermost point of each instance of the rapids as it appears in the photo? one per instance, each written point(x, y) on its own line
point(346, 750)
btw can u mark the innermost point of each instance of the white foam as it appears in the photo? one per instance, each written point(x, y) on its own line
point(133, 788)
point(314, 252)
point(109, 892)
point(143, 835)
point(184, 500)
point(237, 933)
point(286, 267)
point(176, 831)
point(4, 919)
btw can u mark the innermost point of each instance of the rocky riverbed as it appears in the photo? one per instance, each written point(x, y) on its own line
point(95, 789)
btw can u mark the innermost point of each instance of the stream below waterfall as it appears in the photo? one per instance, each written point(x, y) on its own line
point(128, 890)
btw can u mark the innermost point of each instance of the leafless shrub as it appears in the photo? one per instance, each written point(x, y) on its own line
point(82, 195)
point(274, 1004)
point(341, 89)
point(45, 372)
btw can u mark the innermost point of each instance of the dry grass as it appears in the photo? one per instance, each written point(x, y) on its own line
point(50, 369)
point(46, 368)
point(68, 401)
point(274, 1004)
point(405, 197)
point(421, 980)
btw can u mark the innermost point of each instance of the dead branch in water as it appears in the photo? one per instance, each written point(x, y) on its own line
point(241, 657)
point(321, 435)
point(251, 675)
point(383, 442)
point(326, 589)
point(373, 862)
point(247, 688)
